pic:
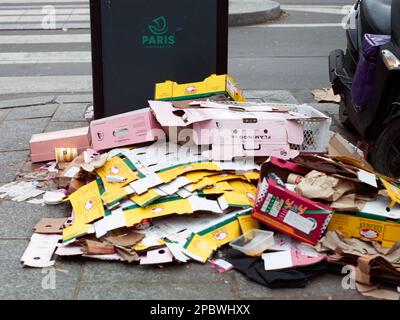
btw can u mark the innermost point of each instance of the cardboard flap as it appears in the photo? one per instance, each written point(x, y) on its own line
point(167, 115)
point(294, 132)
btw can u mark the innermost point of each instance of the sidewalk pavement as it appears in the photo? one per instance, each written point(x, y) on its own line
point(89, 279)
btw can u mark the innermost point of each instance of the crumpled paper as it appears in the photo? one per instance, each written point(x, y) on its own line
point(318, 185)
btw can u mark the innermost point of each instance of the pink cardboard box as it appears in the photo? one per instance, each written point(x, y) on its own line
point(42, 145)
point(258, 130)
point(249, 134)
point(133, 127)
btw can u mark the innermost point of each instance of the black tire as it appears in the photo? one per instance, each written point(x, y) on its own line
point(343, 117)
point(386, 155)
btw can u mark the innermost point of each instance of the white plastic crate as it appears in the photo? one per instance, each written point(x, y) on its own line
point(316, 130)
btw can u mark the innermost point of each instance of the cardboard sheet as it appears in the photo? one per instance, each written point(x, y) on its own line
point(200, 245)
point(162, 255)
point(50, 226)
point(40, 250)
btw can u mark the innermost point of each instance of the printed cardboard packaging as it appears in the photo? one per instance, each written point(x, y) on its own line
point(201, 243)
point(366, 226)
point(134, 214)
point(262, 132)
point(134, 127)
point(286, 211)
point(214, 84)
point(199, 246)
point(42, 145)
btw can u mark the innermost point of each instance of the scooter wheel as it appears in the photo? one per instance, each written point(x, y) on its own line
point(385, 157)
point(343, 117)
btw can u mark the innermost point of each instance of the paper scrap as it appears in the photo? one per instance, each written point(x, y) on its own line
point(368, 178)
point(277, 260)
point(162, 255)
point(325, 95)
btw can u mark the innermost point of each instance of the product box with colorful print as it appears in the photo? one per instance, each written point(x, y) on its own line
point(286, 211)
point(214, 84)
point(366, 226)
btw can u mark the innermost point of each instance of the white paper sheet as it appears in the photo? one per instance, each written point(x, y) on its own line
point(277, 260)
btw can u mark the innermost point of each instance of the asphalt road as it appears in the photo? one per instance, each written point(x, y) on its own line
point(292, 53)
point(289, 54)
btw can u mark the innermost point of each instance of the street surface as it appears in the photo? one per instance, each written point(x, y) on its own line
point(288, 54)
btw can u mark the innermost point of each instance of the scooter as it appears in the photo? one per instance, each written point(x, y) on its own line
point(367, 77)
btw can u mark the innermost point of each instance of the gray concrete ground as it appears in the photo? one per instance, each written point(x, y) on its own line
point(93, 279)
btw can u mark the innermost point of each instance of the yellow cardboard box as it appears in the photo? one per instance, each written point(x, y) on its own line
point(366, 226)
point(214, 84)
point(201, 245)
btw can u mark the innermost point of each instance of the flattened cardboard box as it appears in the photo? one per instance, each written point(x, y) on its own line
point(366, 226)
point(201, 244)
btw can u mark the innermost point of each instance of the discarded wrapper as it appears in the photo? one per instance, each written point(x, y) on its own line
point(66, 154)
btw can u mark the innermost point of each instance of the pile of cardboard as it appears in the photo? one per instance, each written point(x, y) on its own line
point(201, 168)
point(128, 187)
point(341, 192)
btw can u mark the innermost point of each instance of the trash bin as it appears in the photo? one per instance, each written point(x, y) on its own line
point(138, 43)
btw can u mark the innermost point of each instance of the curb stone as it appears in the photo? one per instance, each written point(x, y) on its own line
point(250, 12)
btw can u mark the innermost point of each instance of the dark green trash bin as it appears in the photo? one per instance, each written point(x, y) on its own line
point(137, 43)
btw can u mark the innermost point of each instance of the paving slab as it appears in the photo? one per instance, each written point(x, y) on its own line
point(31, 112)
point(18, 283)
point(276, 96)
point(323, 287)
point(327, 108)
point(18, 218)
point(98, 271)
point(11, 163)
point(64, 125)
point(77, 98)
point(3, 114)
point(11, 103)
point(303, 95)
point(138, 290)
point(70, 112)
point(17, 133)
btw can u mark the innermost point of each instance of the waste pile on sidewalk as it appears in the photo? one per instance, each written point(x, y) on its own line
point(200, 169)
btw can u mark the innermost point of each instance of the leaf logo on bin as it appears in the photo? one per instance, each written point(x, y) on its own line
point(160, 26)
point(157, 38)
